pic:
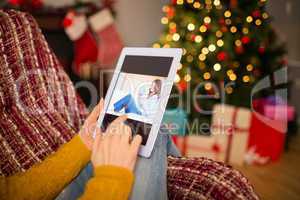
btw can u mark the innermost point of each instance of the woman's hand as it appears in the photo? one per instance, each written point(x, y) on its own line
point(87, 130)
point(114, 147)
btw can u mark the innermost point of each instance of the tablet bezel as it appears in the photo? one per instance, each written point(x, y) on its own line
point(176, 53)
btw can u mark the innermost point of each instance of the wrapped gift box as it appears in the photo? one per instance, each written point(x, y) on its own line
point(231, 126)
point(175, 121)
point(228, 140)
point(202, 146)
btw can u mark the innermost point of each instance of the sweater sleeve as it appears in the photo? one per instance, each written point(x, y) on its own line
point(109, 182)
point(46, 179)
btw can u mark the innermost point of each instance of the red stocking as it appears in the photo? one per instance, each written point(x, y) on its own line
point(110, 44)
point(85, 46)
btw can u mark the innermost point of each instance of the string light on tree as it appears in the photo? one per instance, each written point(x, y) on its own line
point(202, 29)
point(206, 75)
point(217, 67)
point(233, 29)
point(232, 77)
point(212, 47)
point(229, 72)
point(205, 50)
point(191, 27)
point(172, 25)
point(197, 5)
point(227, 21)
point(249, 19)
point(258, 22)
point(202, 57)
point(217, 2)
point(265, 15)
point(165, 8)
point(249, 67)
point(187, 78)
point(179, 2)
point(176, 37)
point(169, 37)
point(208, 86)
point(207, 19)
point(245, 30)
point(246, 79)
point(238, 43)
point(180, 67)
point(220, 43)
point(227, 13)
point(164, 20)
point(198, 38)
point(219, 34)
point(229, 90)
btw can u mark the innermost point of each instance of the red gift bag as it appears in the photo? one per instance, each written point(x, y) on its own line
point(266, 141)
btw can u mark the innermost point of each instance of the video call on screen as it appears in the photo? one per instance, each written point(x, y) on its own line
point(138, 66)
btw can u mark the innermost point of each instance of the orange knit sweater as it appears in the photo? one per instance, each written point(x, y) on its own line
point(48, 178)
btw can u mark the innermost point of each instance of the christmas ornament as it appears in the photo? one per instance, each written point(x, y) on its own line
point(239, 49)
point(171, 13)
point(222, 21)
point(256, 14)
point(182, 86)
point(221, 56)
point(261, 49)
point(245, 39)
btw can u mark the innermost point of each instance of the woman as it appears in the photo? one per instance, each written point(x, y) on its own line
point(112, 154)
point(147, 100)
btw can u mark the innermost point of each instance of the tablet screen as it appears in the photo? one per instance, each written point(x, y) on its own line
point(137, 92)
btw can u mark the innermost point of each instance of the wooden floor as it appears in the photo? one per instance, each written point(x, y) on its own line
point(278, 181)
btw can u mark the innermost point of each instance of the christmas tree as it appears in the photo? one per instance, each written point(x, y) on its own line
point(228, 46)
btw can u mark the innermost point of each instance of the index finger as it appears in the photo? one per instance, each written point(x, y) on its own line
point(135, 144)
point(117, 121)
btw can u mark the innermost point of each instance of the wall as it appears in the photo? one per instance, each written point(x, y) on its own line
point(286, 17)
point(139, 21)
point(287, 23)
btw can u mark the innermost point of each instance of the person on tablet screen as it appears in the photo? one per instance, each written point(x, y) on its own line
point(147, 100)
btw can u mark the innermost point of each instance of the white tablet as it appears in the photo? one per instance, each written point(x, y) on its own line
point(140, 88)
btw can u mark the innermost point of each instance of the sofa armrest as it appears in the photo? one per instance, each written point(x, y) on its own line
point(202, 178)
